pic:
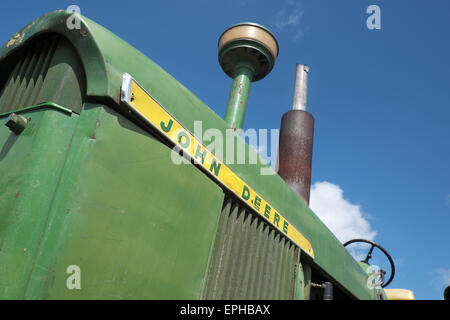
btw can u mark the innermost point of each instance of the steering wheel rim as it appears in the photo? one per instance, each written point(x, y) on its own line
point(369, 256)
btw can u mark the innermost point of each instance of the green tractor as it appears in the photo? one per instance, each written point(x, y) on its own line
point(108, 192)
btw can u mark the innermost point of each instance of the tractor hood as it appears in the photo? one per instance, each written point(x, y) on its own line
point(105, 58)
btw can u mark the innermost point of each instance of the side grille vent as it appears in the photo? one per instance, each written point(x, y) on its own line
point(25, 82)
point(250, 260)
point(44, 69)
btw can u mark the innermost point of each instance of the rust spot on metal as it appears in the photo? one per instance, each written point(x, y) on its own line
point(295, 151)
point(97, 124)
point(70, 141)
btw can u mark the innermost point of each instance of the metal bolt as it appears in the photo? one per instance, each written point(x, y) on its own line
point(16, 123)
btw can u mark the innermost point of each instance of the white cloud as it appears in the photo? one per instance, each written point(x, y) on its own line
point(289, 17)
point(441, 278)
point(345, 219)
point(286, 17)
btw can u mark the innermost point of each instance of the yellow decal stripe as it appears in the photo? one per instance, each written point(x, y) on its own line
point(154, 114)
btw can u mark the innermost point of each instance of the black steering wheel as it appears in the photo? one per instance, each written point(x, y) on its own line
point(369, 256)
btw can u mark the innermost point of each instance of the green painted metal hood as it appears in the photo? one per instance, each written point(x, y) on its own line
point(105, 57)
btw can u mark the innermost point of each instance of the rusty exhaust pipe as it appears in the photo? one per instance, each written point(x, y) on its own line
point(296, 139)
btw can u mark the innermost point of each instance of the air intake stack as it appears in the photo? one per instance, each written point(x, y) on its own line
point(296, 139)
point(247, 53)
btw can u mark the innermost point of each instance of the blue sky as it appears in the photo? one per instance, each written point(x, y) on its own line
point(380, 99)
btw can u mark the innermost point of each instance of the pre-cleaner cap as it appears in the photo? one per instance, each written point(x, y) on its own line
point(249, 42)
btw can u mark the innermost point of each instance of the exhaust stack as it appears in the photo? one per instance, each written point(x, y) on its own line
point(296, 139)
point(247, 53)
point(300, 87)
